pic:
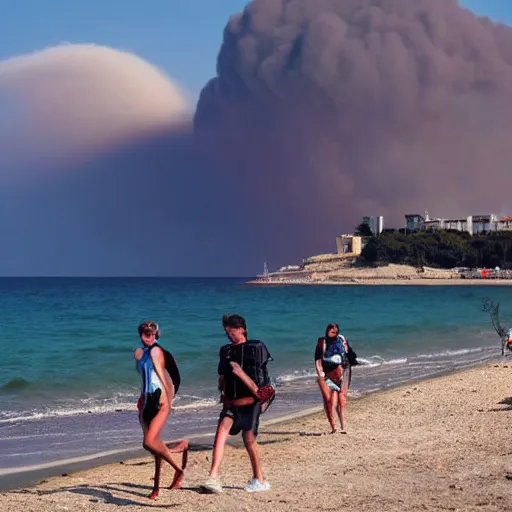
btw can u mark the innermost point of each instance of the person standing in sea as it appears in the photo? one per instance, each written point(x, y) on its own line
point(334, 374)
point(154, 405)
point(241, 410)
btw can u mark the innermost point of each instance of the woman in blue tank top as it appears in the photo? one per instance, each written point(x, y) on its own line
point(156, 395)
point(334, 373)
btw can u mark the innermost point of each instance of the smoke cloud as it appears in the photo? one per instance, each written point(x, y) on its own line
point(95, 162)
point(329, 110)
point(321, 112)
point(71, 102)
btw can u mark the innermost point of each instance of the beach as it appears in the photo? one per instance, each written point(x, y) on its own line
point(392, 281)
point(333, 270)
point(439, 444)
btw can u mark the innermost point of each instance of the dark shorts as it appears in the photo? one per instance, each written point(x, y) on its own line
point(244, 418)
point(151, 406)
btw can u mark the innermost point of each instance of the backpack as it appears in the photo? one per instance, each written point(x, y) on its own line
point(343, 350)
point(255, 355)
point(266, 391)
point(350, 357)
point(170, 366)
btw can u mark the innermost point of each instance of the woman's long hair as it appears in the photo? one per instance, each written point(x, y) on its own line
point(331, 326)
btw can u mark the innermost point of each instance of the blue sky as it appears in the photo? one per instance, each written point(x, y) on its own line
point(182, 37)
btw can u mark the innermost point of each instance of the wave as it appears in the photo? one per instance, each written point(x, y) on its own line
point(377, 360)
point(15, 385)
point(452, 352)
point(393, 368)
point(309, 374)
point(400, 360)
point(88, 407)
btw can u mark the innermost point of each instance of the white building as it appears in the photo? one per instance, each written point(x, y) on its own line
point(414, 221)
point(485, 222)
point(417, 222)
point(376, 223)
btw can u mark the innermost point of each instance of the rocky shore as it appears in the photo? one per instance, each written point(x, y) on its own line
point(336, 269)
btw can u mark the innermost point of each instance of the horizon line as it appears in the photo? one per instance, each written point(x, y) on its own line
point(120, 277)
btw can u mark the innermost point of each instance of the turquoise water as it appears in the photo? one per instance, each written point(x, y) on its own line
point(68, 344)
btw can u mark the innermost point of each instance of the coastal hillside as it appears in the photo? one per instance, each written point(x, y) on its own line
point(334, 268)
point(421, 257)
point(349, 270)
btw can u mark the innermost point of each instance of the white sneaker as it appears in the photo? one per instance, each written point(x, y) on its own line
point(255, 485)
point(212, 485)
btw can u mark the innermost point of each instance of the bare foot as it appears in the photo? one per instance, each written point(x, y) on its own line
point(178, 447)
point(182, 447)
point(176, 481)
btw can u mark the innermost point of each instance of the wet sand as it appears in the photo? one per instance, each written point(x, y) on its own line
point(441, 444)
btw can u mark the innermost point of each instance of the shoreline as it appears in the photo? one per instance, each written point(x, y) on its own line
point(30, 476)
point(22, 476)
point(384, 282)
point(434, 444)
point(78, 447)
point(334, 271)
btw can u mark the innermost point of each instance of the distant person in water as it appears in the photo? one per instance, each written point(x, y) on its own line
point(154, 405)
point(240, 363)
point(334, 374)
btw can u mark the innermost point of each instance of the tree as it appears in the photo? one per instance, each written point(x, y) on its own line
point(363, 230)
point(375, 251)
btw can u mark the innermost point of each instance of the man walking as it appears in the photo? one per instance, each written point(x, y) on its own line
point(241, 411)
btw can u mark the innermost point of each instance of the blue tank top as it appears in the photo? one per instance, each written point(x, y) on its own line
point(335, 351)
point(150, 381)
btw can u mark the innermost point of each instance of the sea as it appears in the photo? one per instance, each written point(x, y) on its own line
point(69, 386)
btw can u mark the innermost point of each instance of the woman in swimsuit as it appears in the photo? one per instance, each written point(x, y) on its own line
point(333, 373)
point(154, 405)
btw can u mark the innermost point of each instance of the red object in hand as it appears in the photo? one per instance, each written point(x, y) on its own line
point(266, 393)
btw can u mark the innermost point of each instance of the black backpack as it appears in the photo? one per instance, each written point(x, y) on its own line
point(170, 366)
point(259, 351)
point(254, 359)
point(262, 357)
point(352, 356)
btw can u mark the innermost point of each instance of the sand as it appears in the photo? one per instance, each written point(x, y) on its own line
point(442, 444)
point(340, 274)
point(386, 282)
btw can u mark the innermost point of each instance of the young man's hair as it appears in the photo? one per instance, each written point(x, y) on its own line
point(235, 322)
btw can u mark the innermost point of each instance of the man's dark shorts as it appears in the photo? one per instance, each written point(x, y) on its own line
point(244, 418)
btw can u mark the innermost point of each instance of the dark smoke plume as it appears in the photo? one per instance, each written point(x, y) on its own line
point(327, 110)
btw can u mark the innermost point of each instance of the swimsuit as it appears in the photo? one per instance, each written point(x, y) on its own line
point(151, 388)
point(333, 354)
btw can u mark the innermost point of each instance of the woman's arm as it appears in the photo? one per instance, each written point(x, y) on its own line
point(137, 355)
point(158, 358)
point(319, 354)
point(319, 369)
